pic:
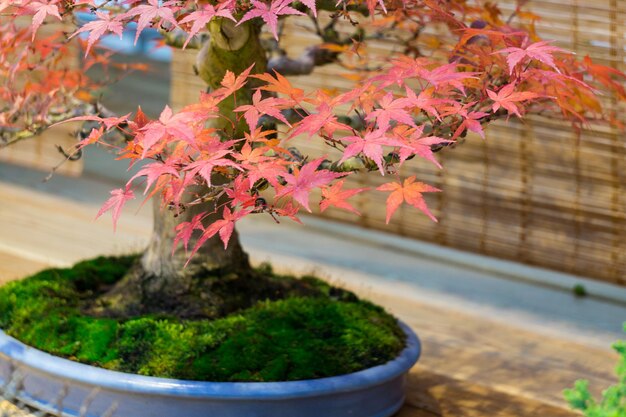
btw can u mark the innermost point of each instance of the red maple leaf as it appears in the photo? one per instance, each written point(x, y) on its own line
point(206, 108)
point(371, 145)
point(414, 144)
point(93, 137)
point(239, 193)
point(471, 120)
point(153, 171)
point(105, 23)
point(41, 11)
point(204, 167)
point(304, 180)
point(155, 9)
point(446, 75)
point(202, 16)
point(336, 196)
point(118, 198)
point(176, 125)
point(425, 101)
point(184, 231)
point(280, 85)
point(541, 51)
point(391, 109)
point(232, 83)
point(314, 123)
point(411, 192)
point(224, 227)
point(269, 106)
point(270, 13)
point(506, 97)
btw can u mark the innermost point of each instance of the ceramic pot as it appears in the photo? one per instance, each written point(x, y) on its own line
point(70, 389)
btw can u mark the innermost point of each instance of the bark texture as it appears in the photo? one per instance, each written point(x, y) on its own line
point(215, 281)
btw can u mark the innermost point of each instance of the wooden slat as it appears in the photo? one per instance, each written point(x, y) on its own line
point(534, 190)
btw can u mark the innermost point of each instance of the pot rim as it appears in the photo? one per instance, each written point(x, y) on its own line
point(66, 370)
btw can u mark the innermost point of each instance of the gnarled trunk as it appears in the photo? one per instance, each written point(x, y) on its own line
point(163, 282)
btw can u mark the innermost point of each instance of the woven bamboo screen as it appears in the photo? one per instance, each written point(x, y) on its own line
point(534, 191)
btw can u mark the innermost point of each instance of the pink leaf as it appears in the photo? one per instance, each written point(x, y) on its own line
point(97, 28)
point(303, 181)
point(270, 13)
point(409, 191)
point(541, 51)
point(115, 203)
point(201, 17)
point(336, 196)
point(42, 10)
point(153, 10)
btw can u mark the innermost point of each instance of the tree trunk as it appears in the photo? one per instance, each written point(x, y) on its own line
point(162, 282)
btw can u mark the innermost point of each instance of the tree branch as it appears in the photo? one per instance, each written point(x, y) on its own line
point(303, 65)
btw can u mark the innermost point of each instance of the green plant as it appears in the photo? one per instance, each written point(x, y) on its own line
point(613, 401)
point(313, 330)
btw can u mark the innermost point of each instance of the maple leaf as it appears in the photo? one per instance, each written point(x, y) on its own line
point(184, 231)
point(471, 120)
point(336, 196)
point(391, 109)
point(202, 16)
point(280, 85)
point(268, 106)
point(42, 10)
point(506, 97)
point(249, 156)
point(239, 193)
point(176, 125)
point(304, 180)
point(140, 119)
point(606, 75)
point(411, 192)
point(541, 51)
point(288, 210)
point(270, 13)
point(205, 166)
point(149, 12)
point(270, 171)
point(314, 123)
point(206, 108)
point(224, 227)
point(153, 171)
point(118, 198)
point(105, 23)
point(231, 84)
point(311, 5)
point(93, 137)
point(425, 101)
point(371, 145)
point(414, 144)
point(446, 74)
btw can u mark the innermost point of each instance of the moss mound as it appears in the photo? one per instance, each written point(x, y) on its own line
point(329, 333)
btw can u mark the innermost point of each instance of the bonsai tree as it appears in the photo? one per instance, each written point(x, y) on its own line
point(456, 66)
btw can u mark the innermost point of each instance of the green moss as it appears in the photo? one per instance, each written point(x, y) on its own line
point(329, 333)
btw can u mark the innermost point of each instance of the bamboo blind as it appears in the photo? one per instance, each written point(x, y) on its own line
point(533, 191)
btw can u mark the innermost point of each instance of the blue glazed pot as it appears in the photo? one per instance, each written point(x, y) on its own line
point(69, 389)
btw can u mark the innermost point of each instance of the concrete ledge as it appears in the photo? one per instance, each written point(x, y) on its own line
point(482, 263)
